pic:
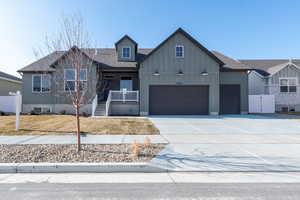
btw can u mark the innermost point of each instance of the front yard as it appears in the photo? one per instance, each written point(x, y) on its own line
point(65, 125)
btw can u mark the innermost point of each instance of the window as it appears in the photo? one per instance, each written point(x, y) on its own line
point(126, 83)
point(126, 52)
point(41, 109)
point(179, 51)
point(288, 85)
point(41, 83)
point(70, 77)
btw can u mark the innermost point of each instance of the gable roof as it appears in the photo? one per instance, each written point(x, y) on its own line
point(230, 63)
point(268, 67)
point(106, 57)
point(188, 36)
point(6, 76)
point(125, 37)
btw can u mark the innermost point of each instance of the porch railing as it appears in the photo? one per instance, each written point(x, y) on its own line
point(94, 105)
point(123, 96)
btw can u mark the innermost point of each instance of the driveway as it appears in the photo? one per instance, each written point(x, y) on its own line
point(229, 143)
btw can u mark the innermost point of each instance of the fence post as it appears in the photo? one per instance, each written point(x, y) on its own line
point(18, 101)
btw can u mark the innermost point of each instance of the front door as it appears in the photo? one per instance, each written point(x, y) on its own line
point(126, 83)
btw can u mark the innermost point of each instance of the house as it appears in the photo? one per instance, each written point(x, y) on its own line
point(278, 77)
point(9, 83)
point(178, 77)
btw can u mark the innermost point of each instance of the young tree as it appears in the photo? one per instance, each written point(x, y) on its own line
point(71, 55)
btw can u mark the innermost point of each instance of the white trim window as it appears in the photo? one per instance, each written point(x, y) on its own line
point(70, 77)
point(41, 83)
point(179, 51)
point(288, 85)
point(41, 109)
point(126, 52)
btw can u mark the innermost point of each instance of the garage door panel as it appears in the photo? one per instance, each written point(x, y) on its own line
point(230, 97)
point(178, 100)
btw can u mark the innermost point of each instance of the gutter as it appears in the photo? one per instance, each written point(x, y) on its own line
point(11, 80)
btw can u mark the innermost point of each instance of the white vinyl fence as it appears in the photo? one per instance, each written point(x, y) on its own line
point(8, 104)
point(261, 104)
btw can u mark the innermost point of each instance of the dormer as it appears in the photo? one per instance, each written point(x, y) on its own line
point(126, 49)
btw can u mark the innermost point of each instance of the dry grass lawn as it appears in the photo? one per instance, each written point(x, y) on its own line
point(65, 125)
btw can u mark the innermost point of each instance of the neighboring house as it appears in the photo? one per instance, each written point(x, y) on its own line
point(9, 83)
point(279, 78)
point(178, 77)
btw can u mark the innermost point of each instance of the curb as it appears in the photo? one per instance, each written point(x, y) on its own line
point(78, 167)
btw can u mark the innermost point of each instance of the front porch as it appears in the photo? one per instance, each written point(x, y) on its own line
point(117, 94)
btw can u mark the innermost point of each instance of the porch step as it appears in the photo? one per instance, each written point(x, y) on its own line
point(100, 110)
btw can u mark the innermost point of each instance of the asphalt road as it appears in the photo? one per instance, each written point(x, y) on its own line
point(144, 191)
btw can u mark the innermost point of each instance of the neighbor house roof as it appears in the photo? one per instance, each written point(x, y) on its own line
point(268, 67)
point(9, 77)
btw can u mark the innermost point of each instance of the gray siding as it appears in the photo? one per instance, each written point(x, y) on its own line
point(240, 78)
point(285, 99)
point(126, 43)
point(128, 108)
point(57, 95)
point(289, 71)
point(9, 86)
point(30, 97)
point(256, 84)
point(193, 63)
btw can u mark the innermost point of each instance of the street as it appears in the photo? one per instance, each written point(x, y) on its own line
point(206, 186)
point(207, 191)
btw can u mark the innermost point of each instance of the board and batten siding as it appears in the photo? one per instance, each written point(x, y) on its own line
point(257, 84)
point(285, 99)
point(195, 61)
point(126, 43)
point(237, 78)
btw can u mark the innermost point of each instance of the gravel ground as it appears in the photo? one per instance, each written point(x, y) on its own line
point(51, 153)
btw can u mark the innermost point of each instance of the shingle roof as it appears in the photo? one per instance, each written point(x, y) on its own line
point(268, 66)
point(109, 57)
point(105, 56)
point(43, 64)
point(230, 63)
point(8, 76)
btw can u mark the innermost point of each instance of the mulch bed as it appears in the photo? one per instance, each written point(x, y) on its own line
point(56, 153)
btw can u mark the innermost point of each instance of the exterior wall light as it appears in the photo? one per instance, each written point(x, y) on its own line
point(180, 73)
point(156, 73)
point(204, 73)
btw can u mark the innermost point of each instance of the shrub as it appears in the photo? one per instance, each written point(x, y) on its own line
point(33, 112)
point(135, 149)
point(84, 114)
point(147, 143)
point(2, 113)
point(63, 112)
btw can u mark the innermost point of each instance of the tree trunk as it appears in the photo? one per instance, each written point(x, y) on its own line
point(78, 128)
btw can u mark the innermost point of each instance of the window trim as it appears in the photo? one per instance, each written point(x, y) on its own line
point(85, 69)
point(182, 46)
point(42, 107)
point(41, 90)
point(122, 55)
point(288, 84)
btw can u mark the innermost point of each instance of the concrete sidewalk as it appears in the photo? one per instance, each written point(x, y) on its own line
point(87, 139)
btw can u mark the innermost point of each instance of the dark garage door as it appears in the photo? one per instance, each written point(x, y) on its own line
point(178, 100)
point(230, 99)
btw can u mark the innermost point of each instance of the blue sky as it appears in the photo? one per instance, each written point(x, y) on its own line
point(237, 28)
